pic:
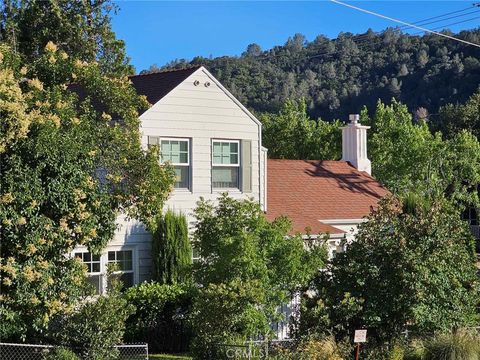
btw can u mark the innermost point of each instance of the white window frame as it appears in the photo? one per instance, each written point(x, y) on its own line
point(104, 263)
point(187, 164)
point(237, 165)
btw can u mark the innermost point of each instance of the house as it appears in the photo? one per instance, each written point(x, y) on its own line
point(214, 144)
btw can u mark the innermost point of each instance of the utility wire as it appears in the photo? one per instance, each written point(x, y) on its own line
point(405, 23)
point(447, 18)
point(451, 24)
point(419, 22)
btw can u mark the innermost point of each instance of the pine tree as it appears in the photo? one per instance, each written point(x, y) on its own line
point(171, 249)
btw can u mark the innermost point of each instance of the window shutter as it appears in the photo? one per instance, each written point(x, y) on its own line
point(246, 163)
point(152, 140)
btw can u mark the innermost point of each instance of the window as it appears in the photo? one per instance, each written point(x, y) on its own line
point(124, 261)
point(92, 263)
point(225, 164)
point(177, 152)
point(97, 266)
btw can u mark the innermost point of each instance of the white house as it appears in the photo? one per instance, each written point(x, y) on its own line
point(215, 145)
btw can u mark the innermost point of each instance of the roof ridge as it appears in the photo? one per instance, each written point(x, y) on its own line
point(193, 67)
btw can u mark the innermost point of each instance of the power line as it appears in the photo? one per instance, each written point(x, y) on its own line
point(419, 22)
point(447, 18)
point(404, 23)
point(451, 24)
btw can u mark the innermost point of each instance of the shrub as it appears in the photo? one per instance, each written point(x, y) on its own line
point(460, 345)
point(323, 349)
point(171, 249)
point(160, 316)
point(96, 326)
point(62, 354)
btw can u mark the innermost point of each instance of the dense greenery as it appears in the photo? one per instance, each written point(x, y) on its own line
point(80, 28)
point(95, 327)
point(247, 268)
point(160, 317)
point(339, 76)
point(52, 195)
point(171, 249)
point(292, 134)
point(408, 157)
point(410, 267)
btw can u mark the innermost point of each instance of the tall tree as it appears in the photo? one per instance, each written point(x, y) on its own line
point(247, 268)
point(171, 249)
point(80, 28)
point(453, 118)
point(411, 267)
point(67, 170)
point(292, 134)
point(408, 157)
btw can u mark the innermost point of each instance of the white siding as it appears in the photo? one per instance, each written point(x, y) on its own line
point(201, 114)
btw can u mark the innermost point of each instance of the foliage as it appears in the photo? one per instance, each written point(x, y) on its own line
point(407, 269)
point(338, 76)
point(171, 249)
point(67, 170)
point(460, 345)
point(96, 326)
point(456, 117)
point(80, 28)
point(407, 157)
point(292, 134)
point(247, 268)
point(160, 316)
point(62, 354)
point(323, 349)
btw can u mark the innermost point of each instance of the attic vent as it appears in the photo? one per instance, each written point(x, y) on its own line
point(207, 84)
point(196, 82)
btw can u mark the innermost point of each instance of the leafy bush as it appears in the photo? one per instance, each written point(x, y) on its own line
point(96, 326)
point(62, 354)
point(160, 316)
point(461, 345)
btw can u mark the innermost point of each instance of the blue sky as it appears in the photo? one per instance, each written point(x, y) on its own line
point(156, 32)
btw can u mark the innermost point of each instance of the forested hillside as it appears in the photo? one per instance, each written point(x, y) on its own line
point(339, 76)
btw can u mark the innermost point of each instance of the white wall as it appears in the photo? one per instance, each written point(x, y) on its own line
point(200, 113)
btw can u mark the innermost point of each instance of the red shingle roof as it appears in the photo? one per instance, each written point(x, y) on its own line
point(310, 190)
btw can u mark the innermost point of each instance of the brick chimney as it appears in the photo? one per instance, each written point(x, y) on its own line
point(354, 144)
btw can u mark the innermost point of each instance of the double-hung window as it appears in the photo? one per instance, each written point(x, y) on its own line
point(225, 164)
point(123, 259)
point(93, 264)
point(177, 153)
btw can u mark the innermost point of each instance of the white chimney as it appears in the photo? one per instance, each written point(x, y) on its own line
point(354, 144)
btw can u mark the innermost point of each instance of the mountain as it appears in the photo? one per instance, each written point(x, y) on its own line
point(339, 76)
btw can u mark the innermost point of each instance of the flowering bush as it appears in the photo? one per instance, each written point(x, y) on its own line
point(52, 199)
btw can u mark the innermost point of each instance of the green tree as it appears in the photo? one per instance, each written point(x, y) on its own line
point(171, 249)
point(407, 157)
point(292, 134)
point(453, 118)
point(67, 171)
point(412, 266)
point(247, 268)
point(81, 28)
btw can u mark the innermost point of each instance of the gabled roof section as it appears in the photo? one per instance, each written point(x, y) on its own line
point(156, 85)
point(308, 191)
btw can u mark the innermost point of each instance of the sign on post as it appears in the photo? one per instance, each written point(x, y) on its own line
point(360, 336)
